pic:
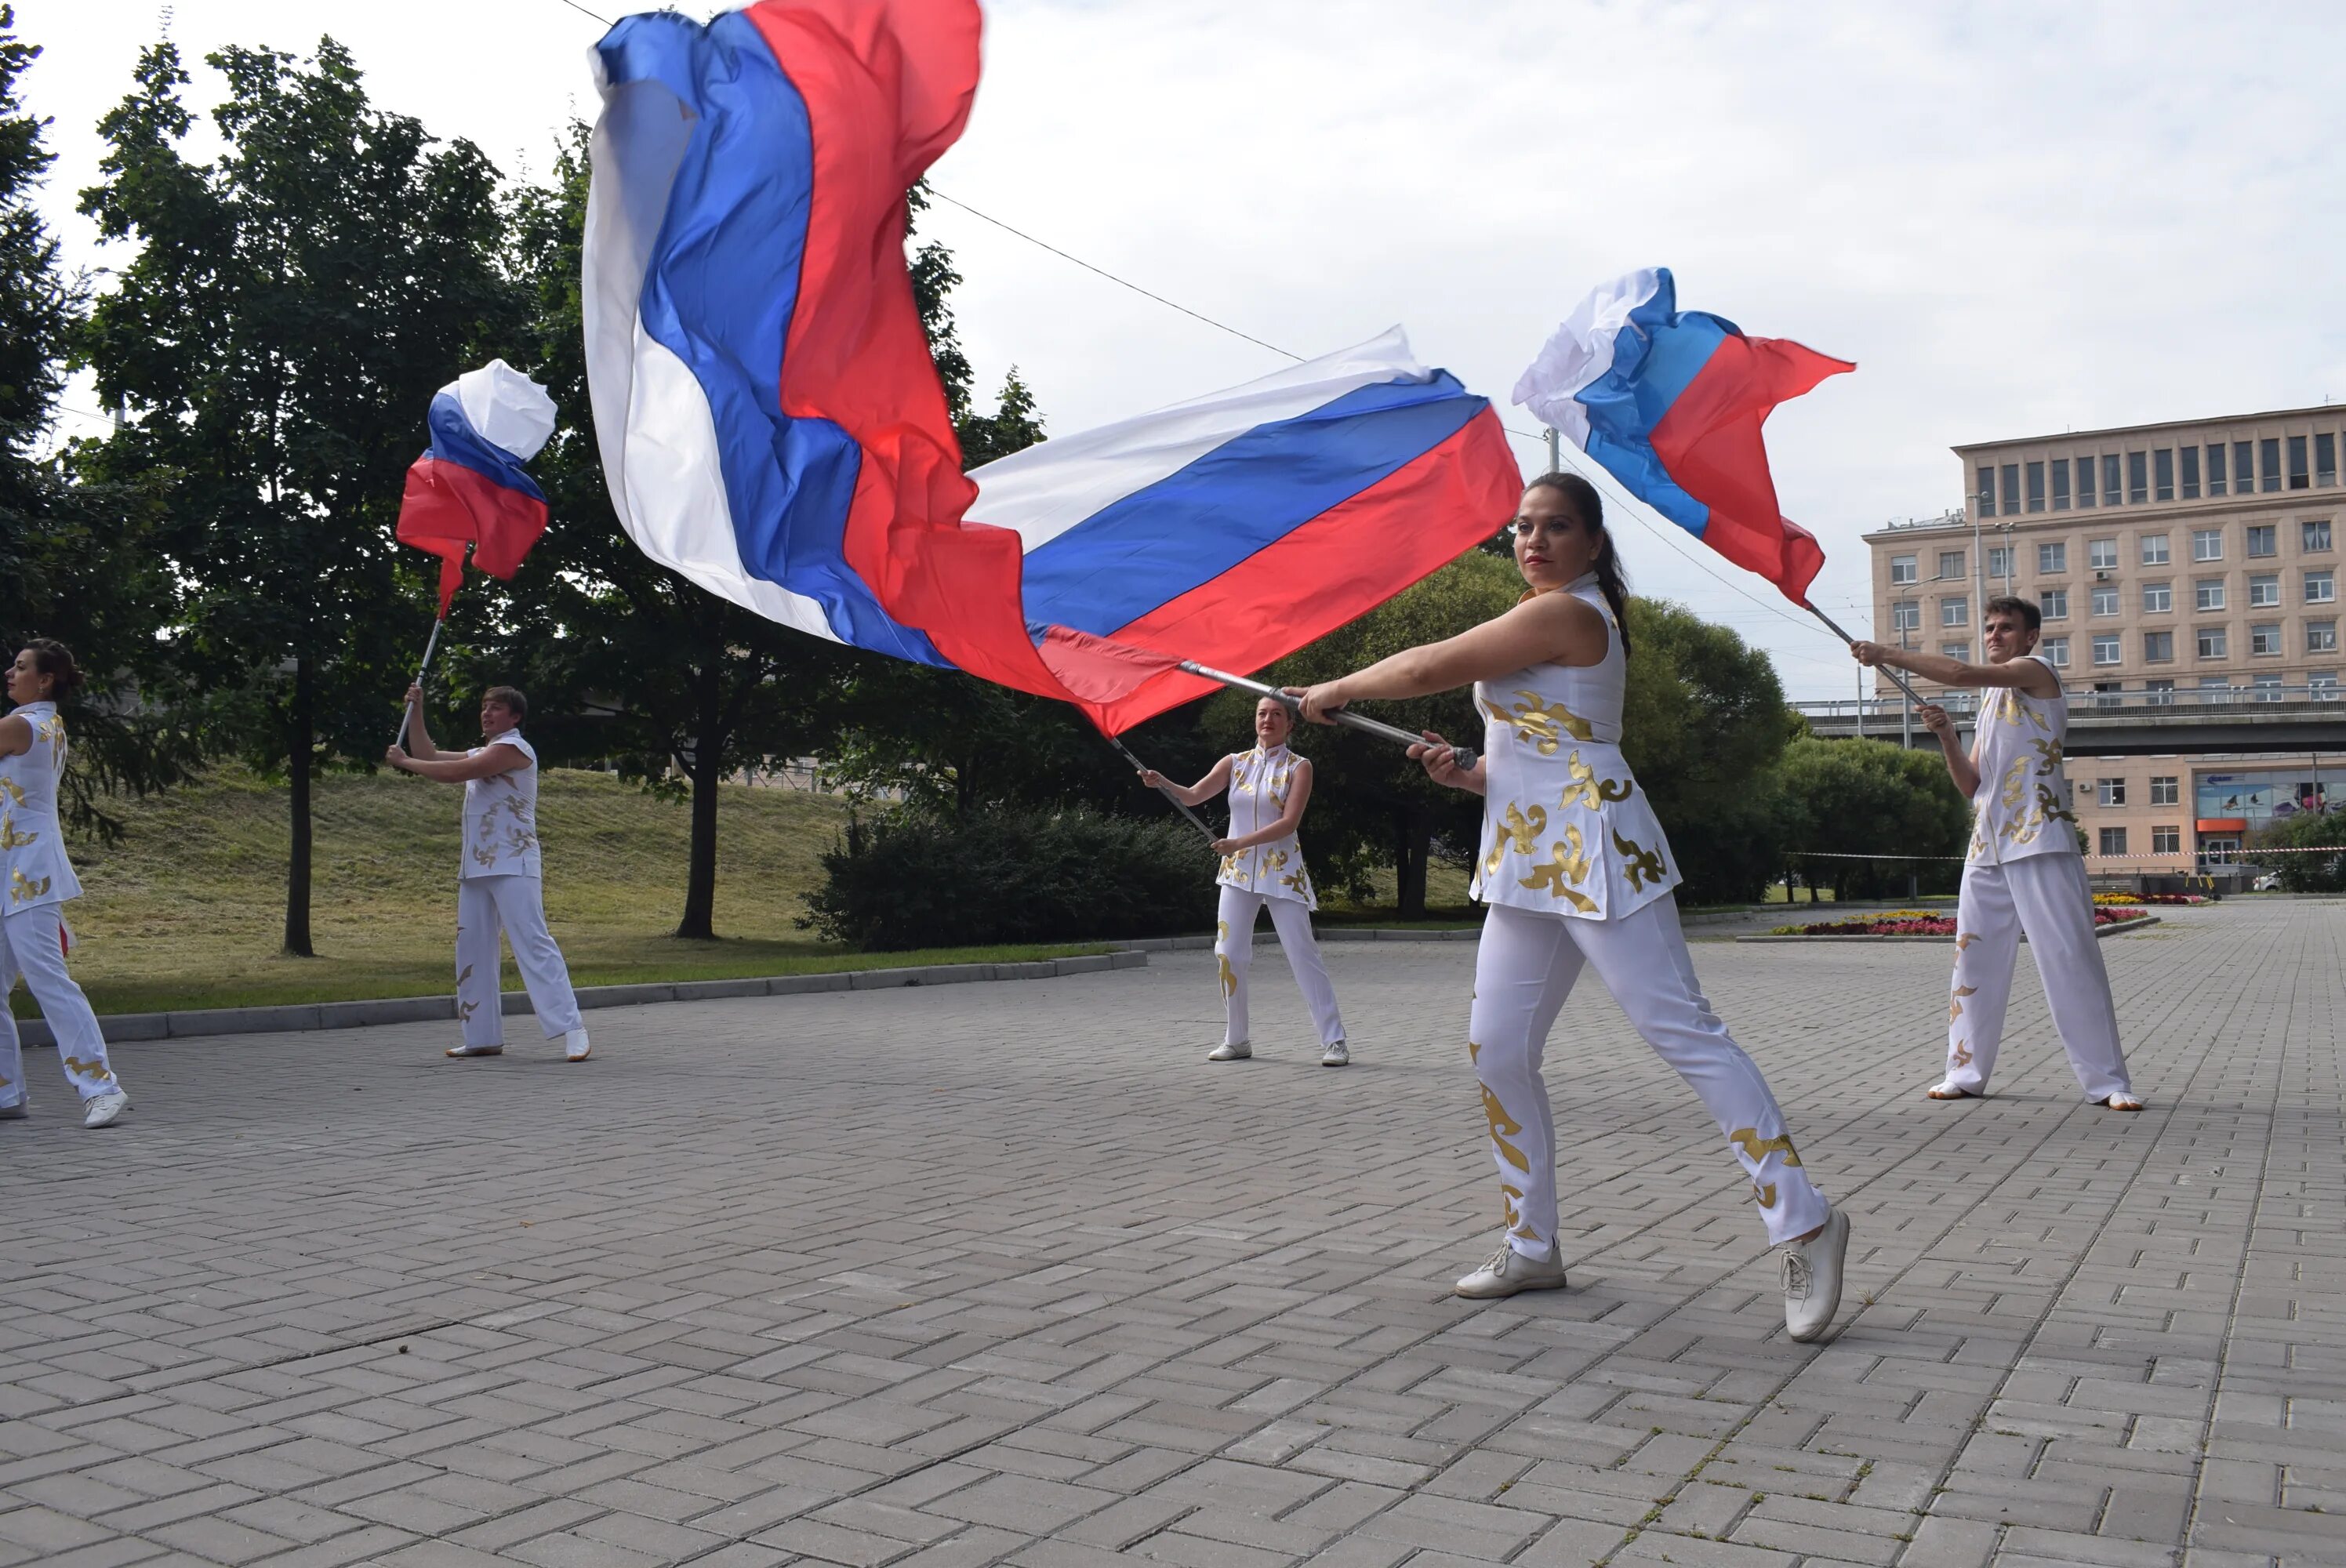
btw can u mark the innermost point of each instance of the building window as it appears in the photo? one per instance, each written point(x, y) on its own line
point(2113, 842)
point(1999, 561)
point(2208, 594)
point(2167, 840)
point(2212, 642)
point(2105, 648)
point(2052, 558)
point(1904, 569)
point(2265, 688)
point(2313, 536)
point(1954, 612)
point(2137, 477)
point(2036, 487)
point(2207, 543)
point(2110, 791)
point(2056, 652)
point(2190, 473)
point(2110, 479)
point(1960, 651)
point(2011, 489)
point(2216, 468)
point(2321, 685)
point(2321, 636)
point(1950, 564)
point(2166, 788)
point(2209, 684)
point(2264, 540)
point(2321, 587)
point(2105, 693)
point(2157, 598)
point(2052, 604)
point(1987, 490)
point(2264, 639)
point(2162, 474)
point(2105, 601)
point(2061, 482)
point(2298, 479)
point(2325, 459)
point(2244, 467)
point(2102, 555)
point(2085, 482)
point(2269, 464)
point(1906, 616)
point(2153, 549)
point(2158, 648)
point(2158, 693)
point(2264, 590)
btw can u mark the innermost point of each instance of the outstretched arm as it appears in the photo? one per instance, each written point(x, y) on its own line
point(1217, 780)
point(2029, 675)
point(450, 769)
point(1553, 629)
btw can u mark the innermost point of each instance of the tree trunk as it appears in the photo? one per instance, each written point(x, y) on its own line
point(298, 746)
point(699, 924)
point(1409, 865)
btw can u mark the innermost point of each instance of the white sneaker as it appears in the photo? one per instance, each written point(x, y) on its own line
point(18, 1112)
point(1337, 1055)
point(476, 1051)
point(575, 1047)
point(1227, 1052)
point(1811, 1273)
point(1508, 1271)
point(100, 1110)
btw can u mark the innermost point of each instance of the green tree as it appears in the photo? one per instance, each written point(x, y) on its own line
point(1867, 798)
point(291, 307)
point(2302, 872)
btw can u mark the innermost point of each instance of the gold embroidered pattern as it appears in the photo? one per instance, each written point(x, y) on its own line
point(1960, 1055)
point(24, 889)
point(1299, 882)
point(1568, 864)
point(1525, 830)
point(1473, 1051)
point(1232, 870)
point(1512, 1197)
point(1542, 725)
point(15, 791)
point(464, 1010)
point(1757, 1148)
point(1230, 981)
point(1965, 939)
point(1955, 1007)
point(97, 1071)
point(1589, 790)
point(1502, 1127)
point(1764, 1195)
point(1642, 865)
point(12, 840)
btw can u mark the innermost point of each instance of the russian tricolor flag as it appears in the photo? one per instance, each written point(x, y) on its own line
point(772, 426)
point(1671, 402)
point(469, 489)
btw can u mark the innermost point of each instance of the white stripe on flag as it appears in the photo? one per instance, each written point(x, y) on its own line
point(1580, 352)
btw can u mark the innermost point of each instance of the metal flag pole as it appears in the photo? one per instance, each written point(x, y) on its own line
point(1895, 678)
point(405, 712)
point(1165, 790)
point(1460, 756)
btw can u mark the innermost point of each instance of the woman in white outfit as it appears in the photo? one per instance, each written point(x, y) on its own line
point(38, 880)
point(1262, 868)
point(501, 890)
point(1575, 872)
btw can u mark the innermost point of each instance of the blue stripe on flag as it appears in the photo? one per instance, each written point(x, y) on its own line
point(1160, 542)
point(719, 293)
point(453, 440)
point(1656, 357)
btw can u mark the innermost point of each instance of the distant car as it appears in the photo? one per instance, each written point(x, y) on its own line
point(2266, 883)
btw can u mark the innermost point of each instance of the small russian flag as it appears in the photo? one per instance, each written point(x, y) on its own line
point(469, 488)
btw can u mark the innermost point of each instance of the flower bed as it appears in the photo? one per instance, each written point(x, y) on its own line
point(2110, 900)
point(1918, 922)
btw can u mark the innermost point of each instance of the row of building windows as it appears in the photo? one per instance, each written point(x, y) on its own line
point(2209, 595)
point(2263, 540)
point(2164, 840)
point(2161, 473)
point(2320, 685)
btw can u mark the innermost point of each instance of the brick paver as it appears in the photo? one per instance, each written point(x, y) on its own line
point(1009, 1274)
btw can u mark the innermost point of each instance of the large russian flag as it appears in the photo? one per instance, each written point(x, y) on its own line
point(469, 490)
point(1671, 402)
point(773, 429)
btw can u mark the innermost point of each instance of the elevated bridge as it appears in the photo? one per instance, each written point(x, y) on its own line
point(2262, 720)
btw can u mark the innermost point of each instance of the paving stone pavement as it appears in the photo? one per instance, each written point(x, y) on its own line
point(1009, 1274)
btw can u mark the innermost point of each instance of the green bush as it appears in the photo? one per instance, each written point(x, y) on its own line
point(2303, 873)
point(933, 879)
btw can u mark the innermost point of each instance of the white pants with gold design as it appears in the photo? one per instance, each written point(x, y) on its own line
point(513, 905)
point(32, 945)
point(1234, 945)
point(2047, 897)
point(1523, 970)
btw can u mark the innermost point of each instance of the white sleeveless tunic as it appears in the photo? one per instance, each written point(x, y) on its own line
point(501, 816)
point(2023, 805)
point(1566, 829)
point(1261, 783)
point(32, 844)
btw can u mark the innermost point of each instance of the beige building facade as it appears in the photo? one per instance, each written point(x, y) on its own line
point(2191, 565)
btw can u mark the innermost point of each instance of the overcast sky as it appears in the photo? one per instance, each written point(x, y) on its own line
point(2016, 217)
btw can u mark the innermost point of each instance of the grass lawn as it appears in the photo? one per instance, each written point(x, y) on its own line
point(188, 910)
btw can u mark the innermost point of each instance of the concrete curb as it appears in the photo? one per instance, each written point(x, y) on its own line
point(2101, 933)
point(127, 1027)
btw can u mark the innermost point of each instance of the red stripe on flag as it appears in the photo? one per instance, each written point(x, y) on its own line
point(447, 506)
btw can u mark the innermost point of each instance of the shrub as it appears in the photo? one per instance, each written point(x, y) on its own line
point(931, 878)
point(2306, 870)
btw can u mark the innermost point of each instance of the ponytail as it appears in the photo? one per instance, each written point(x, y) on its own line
point(1611, 581)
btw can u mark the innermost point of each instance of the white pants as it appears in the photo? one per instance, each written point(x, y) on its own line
point(1234, 942)
point(32, 944)
point(2047, 897)
point(515, 905)
point(1523, 970)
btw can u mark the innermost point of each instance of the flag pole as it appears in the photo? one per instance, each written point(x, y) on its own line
point(1895, 678)
point(1462, 756)
point(1165, 790)
point(405, 711)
